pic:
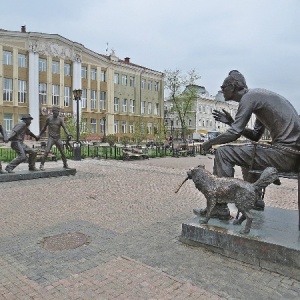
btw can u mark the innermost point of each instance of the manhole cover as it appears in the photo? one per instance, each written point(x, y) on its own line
point(65, 241)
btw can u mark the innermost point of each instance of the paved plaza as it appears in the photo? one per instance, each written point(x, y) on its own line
point(127, 219)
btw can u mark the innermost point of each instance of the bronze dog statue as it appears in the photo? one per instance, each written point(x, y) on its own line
point(231, 190)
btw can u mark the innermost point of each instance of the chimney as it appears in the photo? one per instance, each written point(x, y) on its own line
point(23, 28)
point(127, 59)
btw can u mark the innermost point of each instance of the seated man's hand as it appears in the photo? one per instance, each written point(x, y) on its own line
point(70, 137)
point(37, 138)
point(223, 117)
point(205, 147)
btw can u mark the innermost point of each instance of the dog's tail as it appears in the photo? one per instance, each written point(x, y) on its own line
point(268, 176)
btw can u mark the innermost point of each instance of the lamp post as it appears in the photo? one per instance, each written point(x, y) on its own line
point(104, 132)
point(77, 145)
point(172, 136)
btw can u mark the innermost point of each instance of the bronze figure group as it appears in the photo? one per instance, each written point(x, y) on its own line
point(54, 123)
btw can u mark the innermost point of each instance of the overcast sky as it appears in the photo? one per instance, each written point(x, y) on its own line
point(260, 38)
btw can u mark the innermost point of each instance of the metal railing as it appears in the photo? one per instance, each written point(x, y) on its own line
point(114, 152)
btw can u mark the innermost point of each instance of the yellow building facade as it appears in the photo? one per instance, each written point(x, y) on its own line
point(39, 71)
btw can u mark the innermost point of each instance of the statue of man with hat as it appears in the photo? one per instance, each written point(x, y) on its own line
point(17, 143)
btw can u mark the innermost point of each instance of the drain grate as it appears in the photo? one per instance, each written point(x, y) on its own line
point(65, 241)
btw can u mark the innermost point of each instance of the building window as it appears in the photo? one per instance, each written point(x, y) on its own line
point(131, 81)
point(42, 65)
point(116, 78)
point(93, 74)
point(156, 109)
point(93, 99)
point(102, 125)
point(83, 124)
point(155, 128)
point(116, 126)
point(22, 91)
point(116, 104)
point(83, 98)
point(149, 108)
point(93, 125)
point(149, 128)
point(102, 100)
point(7, 89)
point(190, 122)
point(83, 72)
point(67, 69)
point(8, 122)
point(143, 107)
point(7, 57)
point(131, 127)
point(55, 95)
point(156, 86)
point(124, 105)
point(150, 85)
point(124, 79)
point(43, 93)
point(55, 67)
point(103, 75)
point(67, 96)
point(22, 61)
point(123, 127)
point(131, 106)
point(143, 83)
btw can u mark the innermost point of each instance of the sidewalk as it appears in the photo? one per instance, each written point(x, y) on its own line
point(129, 219)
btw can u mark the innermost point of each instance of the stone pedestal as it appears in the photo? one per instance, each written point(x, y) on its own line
point(273, 242)
point(28, 175)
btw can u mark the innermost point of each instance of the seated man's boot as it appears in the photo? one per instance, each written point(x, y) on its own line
point(220, 211)
point(259, 205)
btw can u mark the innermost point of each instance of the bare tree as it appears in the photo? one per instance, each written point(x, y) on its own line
point(182, 90)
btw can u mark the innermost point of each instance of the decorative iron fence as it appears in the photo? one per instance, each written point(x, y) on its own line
point(114, 152)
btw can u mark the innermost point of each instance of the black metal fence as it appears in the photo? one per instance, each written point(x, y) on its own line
point(115, 152)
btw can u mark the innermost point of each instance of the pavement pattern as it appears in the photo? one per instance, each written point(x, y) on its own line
point(131, 218)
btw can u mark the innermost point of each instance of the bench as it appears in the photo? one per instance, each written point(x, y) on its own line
point(133, 153)
point(289, 175)
point(51, 155)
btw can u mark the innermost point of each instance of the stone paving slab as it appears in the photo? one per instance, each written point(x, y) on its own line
point(120, 278)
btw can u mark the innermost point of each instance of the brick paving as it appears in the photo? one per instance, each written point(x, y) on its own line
point(132, 219)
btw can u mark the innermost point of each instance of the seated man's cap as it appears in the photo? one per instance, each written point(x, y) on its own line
point(27, 116)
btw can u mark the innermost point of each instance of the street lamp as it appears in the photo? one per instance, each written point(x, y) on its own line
point(77, 145)
point(172, 136)
point(104, 132)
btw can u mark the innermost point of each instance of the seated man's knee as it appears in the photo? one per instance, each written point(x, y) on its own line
point(222, 150)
